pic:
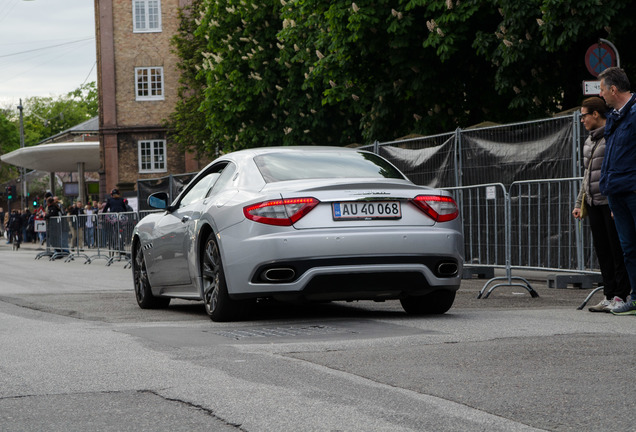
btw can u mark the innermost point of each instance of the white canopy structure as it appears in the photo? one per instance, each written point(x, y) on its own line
point(58, 157)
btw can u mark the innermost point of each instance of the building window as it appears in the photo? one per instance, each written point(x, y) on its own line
point(152, 156)
point(149, 83)
point(146, 16)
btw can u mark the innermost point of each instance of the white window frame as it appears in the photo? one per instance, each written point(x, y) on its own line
point(142, 15)
point(147, 88)
point(156, 159)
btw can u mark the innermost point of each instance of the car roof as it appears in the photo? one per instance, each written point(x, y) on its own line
point(277, 149)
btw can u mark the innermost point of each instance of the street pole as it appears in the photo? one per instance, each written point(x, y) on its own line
point(22, 169)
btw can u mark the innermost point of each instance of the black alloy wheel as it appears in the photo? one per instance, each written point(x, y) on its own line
point(218, 304)
point(143, 292)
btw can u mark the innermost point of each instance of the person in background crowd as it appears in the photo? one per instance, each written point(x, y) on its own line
point(618, 172)
point(26, 215)
point(90, 226)
point(30, 228)
point(52, 209)
point(40, 212)
point(1, 222)
point(127, 206)
point(60, 205)
point(101, 225)
point(114, 204)
point(77, 225)
point(59, 234)
point(15, 223)
point(606, 243)
point(5, 223)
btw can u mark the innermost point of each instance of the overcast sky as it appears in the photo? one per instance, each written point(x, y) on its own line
point(47, 47)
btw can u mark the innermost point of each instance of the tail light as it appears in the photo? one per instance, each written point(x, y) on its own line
point(283, 212)
point(439, 208)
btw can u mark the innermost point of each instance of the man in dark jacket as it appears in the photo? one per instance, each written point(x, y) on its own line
point(15, 224)
point(114, 204)
point(618, 172)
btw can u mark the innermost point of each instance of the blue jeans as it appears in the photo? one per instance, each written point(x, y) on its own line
point(624, 209)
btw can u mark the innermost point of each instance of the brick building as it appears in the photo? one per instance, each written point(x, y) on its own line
point(137, 83)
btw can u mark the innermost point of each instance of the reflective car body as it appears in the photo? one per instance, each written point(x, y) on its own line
point(301, 223)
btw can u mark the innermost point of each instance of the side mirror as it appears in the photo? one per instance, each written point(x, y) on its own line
point(158, 200)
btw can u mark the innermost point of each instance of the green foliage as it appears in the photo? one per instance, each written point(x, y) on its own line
point(187, 123)
point(9, 141)
point(539, 48)
point(282, 72)
point(44, 117)
point(47, 116)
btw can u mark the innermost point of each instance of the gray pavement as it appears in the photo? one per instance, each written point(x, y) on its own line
point(74, 343)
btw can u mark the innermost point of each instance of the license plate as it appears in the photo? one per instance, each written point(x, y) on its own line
point(367, 210)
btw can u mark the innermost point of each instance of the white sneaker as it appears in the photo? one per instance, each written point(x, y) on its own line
point(616, 303)
point(604, 306)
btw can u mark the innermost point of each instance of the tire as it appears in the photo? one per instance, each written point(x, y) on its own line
point(435, 303)
point(143, 292)
point(218, 304)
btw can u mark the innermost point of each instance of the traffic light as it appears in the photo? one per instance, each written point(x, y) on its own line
point(35, 201)
point(10, 192)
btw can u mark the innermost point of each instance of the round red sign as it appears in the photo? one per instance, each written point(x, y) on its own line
point(599, 57)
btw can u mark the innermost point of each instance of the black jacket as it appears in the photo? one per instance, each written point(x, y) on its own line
point(114, 205)
point(52, 211)
point(15, 222)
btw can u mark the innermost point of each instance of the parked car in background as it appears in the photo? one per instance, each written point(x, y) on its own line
point(299, 223)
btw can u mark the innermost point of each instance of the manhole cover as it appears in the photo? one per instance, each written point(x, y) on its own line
point(282, 332)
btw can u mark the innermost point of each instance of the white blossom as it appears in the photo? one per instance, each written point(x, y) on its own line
point(355, 7)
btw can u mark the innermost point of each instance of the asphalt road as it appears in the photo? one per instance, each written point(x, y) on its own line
point(76, 353)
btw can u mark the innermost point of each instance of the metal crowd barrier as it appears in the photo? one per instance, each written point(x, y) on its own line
point(91, 237)
point(528, 226)
point(113, 237)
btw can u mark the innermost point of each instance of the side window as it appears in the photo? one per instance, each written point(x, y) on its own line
point(224, 180)
point(200, 190)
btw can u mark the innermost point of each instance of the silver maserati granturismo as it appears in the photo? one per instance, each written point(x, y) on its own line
point(299, 224)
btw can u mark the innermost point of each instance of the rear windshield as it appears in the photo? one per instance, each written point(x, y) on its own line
point(319, 165)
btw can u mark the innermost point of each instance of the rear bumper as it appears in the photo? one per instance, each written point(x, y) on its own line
point(352, 264)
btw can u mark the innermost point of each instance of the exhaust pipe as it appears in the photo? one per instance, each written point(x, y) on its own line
point(282, 274)
point(447, 269)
